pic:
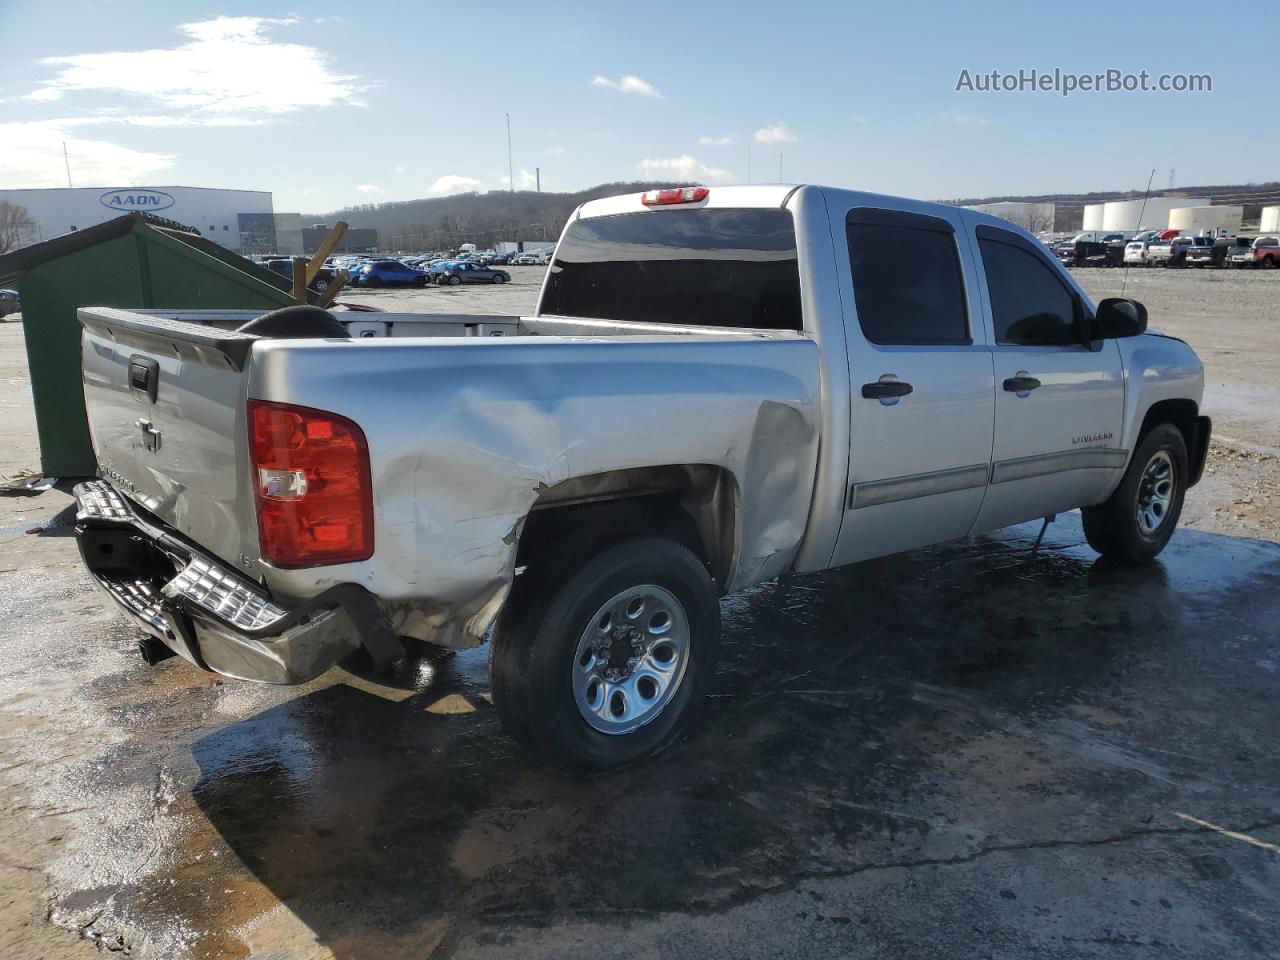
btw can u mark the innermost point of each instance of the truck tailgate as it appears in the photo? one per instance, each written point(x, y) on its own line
point(166, 403)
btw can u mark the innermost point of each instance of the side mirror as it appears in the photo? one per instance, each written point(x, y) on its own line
point(1119, 317)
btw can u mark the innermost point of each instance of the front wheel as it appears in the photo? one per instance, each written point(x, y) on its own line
point(454, 281)
point(1137, 521)
point(499, 278)
point(604, 660)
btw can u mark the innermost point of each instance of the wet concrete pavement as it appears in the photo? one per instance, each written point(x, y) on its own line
point(968, 751)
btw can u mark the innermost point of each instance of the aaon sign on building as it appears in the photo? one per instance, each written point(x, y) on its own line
point(136, 199)
point(214, 211)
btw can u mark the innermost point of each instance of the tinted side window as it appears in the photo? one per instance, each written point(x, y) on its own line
point(1030, 306)
point(907, 284)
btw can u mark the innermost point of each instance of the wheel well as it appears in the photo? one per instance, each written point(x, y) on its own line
point(1185, 415)
point(693, 504)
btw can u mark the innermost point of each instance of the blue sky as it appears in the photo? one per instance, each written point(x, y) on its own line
point(344, 103)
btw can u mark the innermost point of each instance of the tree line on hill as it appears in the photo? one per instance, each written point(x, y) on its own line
point(442, 223)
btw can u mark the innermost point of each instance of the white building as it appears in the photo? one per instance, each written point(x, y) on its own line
point(1270, 222)
point(241, 220)
point(1144, 214)
point(1191, 220)
point(1036, 217)
point(1092, 217)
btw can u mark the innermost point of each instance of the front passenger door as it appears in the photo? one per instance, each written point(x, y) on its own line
point(1059, 401)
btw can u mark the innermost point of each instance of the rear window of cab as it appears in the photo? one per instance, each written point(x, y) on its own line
point(697, 267)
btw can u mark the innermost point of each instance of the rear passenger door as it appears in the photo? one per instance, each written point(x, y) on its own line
point(1059, 401)
point(923, 395)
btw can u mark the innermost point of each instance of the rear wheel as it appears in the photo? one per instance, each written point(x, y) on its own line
point(602, 659)
point(1136, 522)
point(1268, 262)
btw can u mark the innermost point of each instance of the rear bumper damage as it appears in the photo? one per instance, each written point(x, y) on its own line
point(208, 613)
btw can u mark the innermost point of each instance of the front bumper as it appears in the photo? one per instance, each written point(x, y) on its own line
point(208, 613)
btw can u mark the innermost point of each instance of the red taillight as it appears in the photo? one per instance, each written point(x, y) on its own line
point(312, 486)
point(662, 198)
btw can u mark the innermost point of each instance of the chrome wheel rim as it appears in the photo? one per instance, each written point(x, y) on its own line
point(1155, 493)
point(631, 659)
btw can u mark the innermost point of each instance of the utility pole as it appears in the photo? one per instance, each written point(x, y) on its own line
point(537, 173)
point(66, 161)
point(511, 176)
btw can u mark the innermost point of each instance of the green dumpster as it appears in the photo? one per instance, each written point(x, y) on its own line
point(132, 261)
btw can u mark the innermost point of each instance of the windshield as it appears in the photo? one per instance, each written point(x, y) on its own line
point(724, 268)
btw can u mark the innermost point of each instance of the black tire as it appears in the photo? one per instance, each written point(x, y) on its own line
point(534, 646)
point(1268, 262)
point(419, 281)
point(454, 280)
point(373, 281)
point(320, 285)
point(1113, 529)
point(499, 278)
point(301, 321)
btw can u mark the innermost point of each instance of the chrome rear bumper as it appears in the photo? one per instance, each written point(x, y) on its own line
point(208, 613)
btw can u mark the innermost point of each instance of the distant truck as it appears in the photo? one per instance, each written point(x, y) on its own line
point(1169, 253)
point(719, 386)
point(1095, 248)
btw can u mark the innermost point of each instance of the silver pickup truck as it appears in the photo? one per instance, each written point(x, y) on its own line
point(719, 386)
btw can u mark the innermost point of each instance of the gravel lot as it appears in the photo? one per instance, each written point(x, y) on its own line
point(968, 751)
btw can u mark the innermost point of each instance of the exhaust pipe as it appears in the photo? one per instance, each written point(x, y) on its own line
point(153, 651)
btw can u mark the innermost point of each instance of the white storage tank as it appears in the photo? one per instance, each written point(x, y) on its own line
point(1092, 217)
point(1144, 214)
point(1192, 220)
point(1270, 220)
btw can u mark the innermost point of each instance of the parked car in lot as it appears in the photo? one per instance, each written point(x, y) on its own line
point(1239, 252)
point(10, 302)
point(469, 271)
point(1200, 252)
point(389, 272)
point(284, 267)
point(1169, 253)
point(719, 386)
point(1224, 248)
point(1094, 248)
point(1266, 252)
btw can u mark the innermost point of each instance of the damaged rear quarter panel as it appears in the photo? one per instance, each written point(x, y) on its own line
point(464, 434)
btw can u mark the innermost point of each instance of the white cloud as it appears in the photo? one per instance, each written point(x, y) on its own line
point(776, 133)
point(159, 120)
point(554, 151)
point(527, 180)
point(401, 168)
point(228, 66)
point(368, 188)
point(452, 183)
point(967, 119)
point(32, 157)
point(683, 168)
point(628, 84)
point(715, 141)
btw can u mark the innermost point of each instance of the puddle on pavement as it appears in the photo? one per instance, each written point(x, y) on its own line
point(910, 707)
